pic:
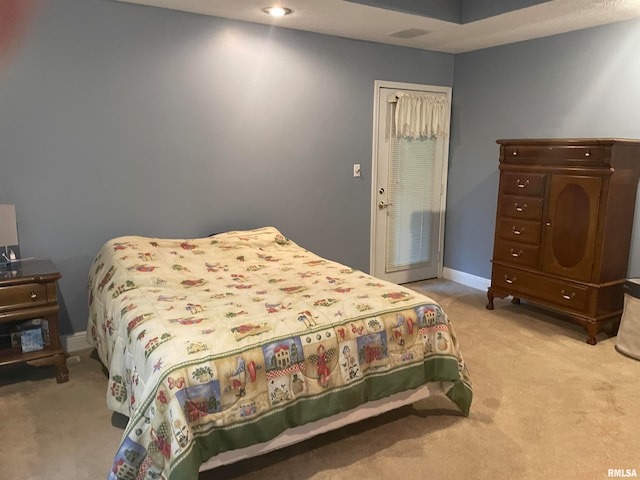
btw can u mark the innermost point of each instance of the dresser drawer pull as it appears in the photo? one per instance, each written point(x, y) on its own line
point(33, 295)
point(517, 231)
point(520, 208)
point(510, 281)
point(516, 254)
point(587, 153)
point(568, 297)
point(515, 152)
point(522, 184)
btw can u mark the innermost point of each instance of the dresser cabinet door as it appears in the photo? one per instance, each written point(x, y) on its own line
point(571, 226)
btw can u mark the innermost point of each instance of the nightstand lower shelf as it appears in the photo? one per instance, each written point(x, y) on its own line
point(46, 356)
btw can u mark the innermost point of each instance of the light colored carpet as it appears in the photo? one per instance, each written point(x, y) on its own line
point(546, 406)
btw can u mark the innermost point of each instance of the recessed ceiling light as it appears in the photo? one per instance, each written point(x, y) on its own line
point(277, 11)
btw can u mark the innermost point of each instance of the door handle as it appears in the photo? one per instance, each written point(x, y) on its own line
point(382, 205)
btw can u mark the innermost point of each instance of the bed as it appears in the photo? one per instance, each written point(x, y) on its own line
point(228, 346)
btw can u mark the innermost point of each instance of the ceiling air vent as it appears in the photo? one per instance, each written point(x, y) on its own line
point(409, 33)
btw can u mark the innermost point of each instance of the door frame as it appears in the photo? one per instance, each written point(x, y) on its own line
point(378, 84)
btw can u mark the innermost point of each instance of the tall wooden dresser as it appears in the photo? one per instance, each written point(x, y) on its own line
point(563, 225)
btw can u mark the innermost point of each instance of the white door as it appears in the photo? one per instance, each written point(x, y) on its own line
point(408, 193)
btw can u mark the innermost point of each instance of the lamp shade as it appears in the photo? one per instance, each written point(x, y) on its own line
point(8, 225)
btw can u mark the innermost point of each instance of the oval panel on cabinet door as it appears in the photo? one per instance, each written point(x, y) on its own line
point(571, 225)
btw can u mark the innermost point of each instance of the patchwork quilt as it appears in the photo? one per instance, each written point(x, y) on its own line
point(221, 342)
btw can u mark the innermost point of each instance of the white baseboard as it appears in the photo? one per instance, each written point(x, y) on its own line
point(74, 342)
point(467, 279)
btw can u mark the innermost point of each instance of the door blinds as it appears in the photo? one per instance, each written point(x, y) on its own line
point(409, 221)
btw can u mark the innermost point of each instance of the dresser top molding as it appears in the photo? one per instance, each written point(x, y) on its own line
point(568, 141)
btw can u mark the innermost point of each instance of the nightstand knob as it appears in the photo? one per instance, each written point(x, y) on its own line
point(33, 295)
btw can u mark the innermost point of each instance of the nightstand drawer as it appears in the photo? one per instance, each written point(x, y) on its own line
point(17, 297)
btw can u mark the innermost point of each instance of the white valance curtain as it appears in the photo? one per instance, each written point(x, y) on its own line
point(421, 115)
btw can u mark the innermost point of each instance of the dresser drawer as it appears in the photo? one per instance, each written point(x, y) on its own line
point(557, 293)
point(525, 208)
point(525, 231)
point(516, 253)
point(17, 297)
point(522, 183)
point(595, 155)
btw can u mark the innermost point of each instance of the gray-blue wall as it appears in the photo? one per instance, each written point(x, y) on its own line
point(121, 119)
point(579, 84)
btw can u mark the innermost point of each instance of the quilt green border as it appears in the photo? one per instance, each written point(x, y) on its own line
point(309, 409)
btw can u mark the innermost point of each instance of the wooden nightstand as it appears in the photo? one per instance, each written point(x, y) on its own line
point(28, 292)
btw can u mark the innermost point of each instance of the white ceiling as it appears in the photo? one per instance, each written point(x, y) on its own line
point(352, 20)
